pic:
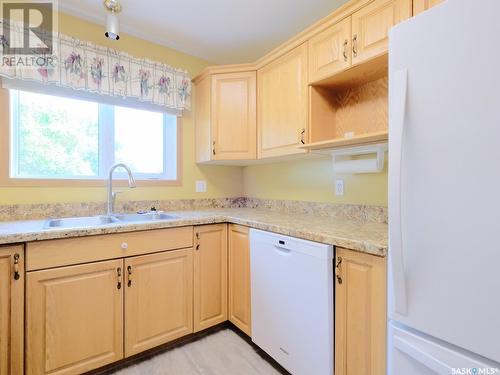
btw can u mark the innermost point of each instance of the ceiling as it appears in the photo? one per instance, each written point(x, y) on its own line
point(219, 31)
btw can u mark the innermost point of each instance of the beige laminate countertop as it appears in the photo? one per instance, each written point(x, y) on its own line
point(367, 237)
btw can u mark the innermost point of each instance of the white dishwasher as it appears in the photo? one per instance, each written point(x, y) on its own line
point(292, 301)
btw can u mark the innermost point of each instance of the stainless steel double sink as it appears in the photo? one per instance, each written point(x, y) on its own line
point(93, 221)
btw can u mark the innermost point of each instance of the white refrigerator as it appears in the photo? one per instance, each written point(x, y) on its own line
point(444, 191)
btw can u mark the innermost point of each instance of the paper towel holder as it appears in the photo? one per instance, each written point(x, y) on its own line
point(343, 163)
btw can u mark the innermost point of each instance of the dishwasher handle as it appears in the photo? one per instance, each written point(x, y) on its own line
point(282, 248)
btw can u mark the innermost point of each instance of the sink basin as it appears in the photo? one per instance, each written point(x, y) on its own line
point(93, 221)
point(80, 222)
point(149, 216)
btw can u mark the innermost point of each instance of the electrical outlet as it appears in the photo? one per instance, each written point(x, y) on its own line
point(201, 186)
point(339, 187)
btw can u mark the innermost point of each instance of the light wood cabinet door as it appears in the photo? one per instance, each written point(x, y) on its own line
point(360, 314)
point(330, 51)
point(371, 25)
point(239, 278)
point(282, 121)
point(421, 5)
point(202, 99)
point(210, 276)
point(11, 310)
point(74, 318)
point(234, 116)
point(158, 299)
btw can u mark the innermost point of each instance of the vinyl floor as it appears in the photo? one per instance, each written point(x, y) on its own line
point(221, 353)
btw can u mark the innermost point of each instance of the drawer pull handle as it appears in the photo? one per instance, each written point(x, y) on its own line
point(17, 276)
point(124, 245)
point(197, 241)
point(129, 271)
point(119, 275)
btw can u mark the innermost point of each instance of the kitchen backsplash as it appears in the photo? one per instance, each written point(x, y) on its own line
point(377, 214)
point(54, 210)
point(43, 211)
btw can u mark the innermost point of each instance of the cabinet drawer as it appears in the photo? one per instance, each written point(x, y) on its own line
point(64, 252)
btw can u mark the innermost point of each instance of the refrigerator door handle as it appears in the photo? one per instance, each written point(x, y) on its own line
point(397, 114)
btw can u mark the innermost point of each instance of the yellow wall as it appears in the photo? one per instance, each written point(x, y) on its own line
point(313, 180)
point(221, 181)
point(309, 180)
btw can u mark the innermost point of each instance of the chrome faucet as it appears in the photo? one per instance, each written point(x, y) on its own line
point(111, 194)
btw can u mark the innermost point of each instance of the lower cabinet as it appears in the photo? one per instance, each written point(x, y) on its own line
point(239, 278)
point(74, 318)
point(81, 317)
point(210, 275)
point(360, 313)
point(86, 316)
point(11, 310)
point(158, 299)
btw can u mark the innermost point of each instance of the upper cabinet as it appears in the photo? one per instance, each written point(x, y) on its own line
point(348, 102)
point(330, 51)
point(371, 24)
point(225, 117)
point(282, 104)
point(202, 121)
point(354, 40)
point(325, 88)
point(420, 5)
point(234, 116)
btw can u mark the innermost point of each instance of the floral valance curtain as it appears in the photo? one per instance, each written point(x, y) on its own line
point(83, 65)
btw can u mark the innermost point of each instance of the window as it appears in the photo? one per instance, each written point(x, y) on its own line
point(63, 138)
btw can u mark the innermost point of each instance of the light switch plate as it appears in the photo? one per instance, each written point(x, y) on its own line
point(339, 187)
point(201, 186)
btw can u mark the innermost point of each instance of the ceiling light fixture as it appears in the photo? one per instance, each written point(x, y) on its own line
point(112, 23)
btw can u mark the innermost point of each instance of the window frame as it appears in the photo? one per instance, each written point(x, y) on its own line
point(120, 179)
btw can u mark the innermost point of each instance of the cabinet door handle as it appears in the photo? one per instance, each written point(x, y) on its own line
point(129, 272)
point(302, 136)
point(346, 42)
point(17, 276)
point(197, 241)
point(119, 277)
point(213, 148)
point(338, 270)
point(355, 45)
